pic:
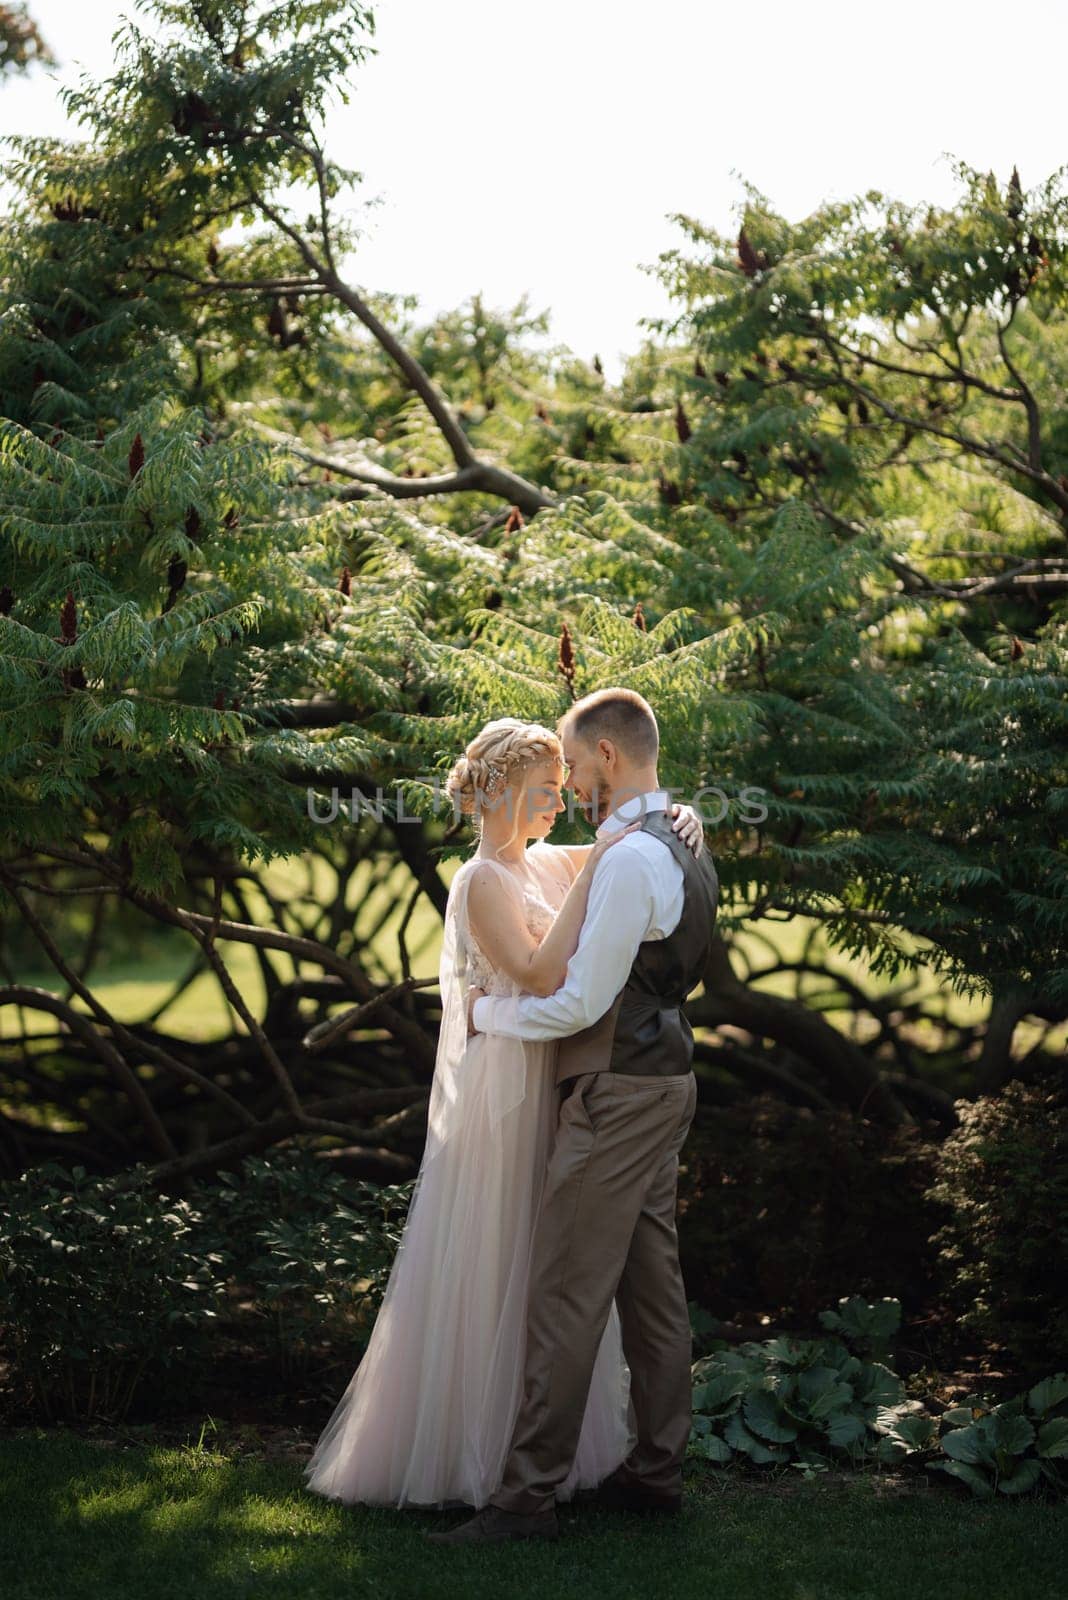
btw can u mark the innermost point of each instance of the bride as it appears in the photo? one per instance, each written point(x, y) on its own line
point(427, 1417)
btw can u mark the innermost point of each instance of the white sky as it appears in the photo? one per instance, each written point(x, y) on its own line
point(540, 147)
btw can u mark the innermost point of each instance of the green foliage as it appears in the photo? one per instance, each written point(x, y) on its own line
point(804, 1401)
point(1009, 1448)
point(1003, 1181)
point(310, 1249)
point(812, 1403)
point(902, 372)
point(21, 43)
point(779, 1204)
point(866, 1325)
point(703, 1327)
point(156, 580)
point(820, 527)
point(101, 1290)
point(108, 1286)
point(198, 128)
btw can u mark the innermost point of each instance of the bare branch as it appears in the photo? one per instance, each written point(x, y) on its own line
point(1034, 420)
point(478, 476)
point(727, 1000)
point(233, 285)
point(406, 1032)
point(206, 940)
point(955, 376)
point(24, 994)
point(137, 1046)
point(315, 156)
point(325, 1033)
point(1015, 462)
point(264, 1134)
point(366, 472)
point(483, 476)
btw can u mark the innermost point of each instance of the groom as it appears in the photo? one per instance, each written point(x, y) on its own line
point(606, 1227)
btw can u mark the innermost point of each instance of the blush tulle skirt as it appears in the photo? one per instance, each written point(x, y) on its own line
point(427, 1417)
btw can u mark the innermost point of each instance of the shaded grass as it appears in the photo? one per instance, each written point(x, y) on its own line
point(101, 1522)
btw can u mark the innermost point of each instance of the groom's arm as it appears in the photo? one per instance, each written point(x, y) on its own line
point(620, 913)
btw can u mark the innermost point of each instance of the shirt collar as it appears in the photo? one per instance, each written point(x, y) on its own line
point(638, 805)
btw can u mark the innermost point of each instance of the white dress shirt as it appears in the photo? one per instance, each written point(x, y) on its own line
point(637, 894)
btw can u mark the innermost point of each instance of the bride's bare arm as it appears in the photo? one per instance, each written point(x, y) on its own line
point(688, 824)
point(498, 924)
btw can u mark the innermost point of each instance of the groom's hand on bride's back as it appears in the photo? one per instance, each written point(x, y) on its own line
point(472, 995)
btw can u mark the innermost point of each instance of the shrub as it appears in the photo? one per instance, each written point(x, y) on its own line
point(99, 1288)
point(311, 1249)
point(778, 1207)
point(105, 1282)
point(1009, 1448)
point(808, 1403)
point(1003, 1182)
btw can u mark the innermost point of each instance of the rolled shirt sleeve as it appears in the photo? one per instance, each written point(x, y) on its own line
point(620, 913)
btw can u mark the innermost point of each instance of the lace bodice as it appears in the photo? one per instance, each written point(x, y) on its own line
point(540, 903)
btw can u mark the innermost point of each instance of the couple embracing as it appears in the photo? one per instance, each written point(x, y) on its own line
point(534, 1339)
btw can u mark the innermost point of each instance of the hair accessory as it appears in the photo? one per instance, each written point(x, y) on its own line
point(496, 778)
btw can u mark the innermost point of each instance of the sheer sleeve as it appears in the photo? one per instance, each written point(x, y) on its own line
point(465, 1074)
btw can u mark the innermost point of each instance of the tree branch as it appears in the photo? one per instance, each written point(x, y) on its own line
point(475, 474)
point(964, 441)
point(406, 1032)
point(956, 375)
point(727, 1000)
point(236, 285)
point(468, 479)
point(24, 994)
point(1034, 420)
point(264, 1134)
point(324, 1033)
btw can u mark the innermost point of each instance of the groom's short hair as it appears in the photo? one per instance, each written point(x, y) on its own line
point(621, 715)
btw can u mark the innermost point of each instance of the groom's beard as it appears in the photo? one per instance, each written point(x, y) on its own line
point(599, 805)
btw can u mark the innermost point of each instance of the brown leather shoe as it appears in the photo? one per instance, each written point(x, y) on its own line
point(616, 1495)
point(491, 1525)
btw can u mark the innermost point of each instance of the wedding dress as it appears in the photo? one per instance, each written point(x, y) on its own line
point(427, 1417)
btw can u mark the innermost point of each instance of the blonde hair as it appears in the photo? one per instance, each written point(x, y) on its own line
point(497, 757)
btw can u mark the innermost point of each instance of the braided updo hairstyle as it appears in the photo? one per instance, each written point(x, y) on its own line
point(496, 758)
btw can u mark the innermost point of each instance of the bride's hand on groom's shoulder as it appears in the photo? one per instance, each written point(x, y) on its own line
point(605, 842)
point(690, 827)
point(473, 994)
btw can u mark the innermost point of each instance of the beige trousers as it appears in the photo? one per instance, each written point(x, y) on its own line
point(606, 1228)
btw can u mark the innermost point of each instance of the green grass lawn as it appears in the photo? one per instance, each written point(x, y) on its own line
point(102, 1520)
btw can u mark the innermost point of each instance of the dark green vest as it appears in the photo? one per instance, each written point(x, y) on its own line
point(644, 1030)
